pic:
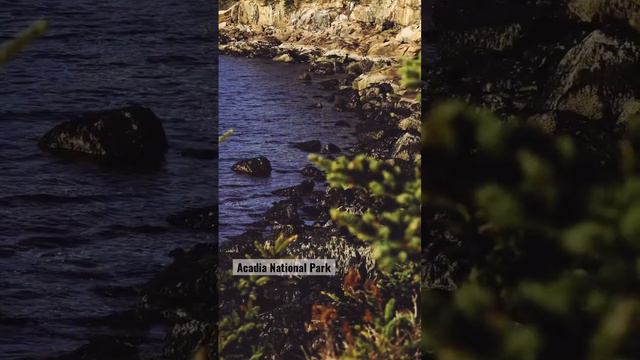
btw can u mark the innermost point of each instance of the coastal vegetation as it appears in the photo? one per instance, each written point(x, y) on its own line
point(372, 315)
point(368, 218)
point(532, 193)
point(555, 270)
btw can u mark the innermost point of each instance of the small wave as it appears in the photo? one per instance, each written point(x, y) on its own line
point(51, 199)
point(50, 242)
point(172, 59)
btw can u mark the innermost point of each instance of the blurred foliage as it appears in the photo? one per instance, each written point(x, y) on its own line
point(226, 135)
point(555, 232)
point(411, 74)
point(11, 48)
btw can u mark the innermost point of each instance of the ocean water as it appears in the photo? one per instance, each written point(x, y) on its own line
point(75, 236)
point(269, 108)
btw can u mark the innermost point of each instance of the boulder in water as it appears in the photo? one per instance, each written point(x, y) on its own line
point(284, 212)
point(257, 167)
point(308, 146)
point(198, 219)
point(330, 149)
point(129, 136)
point(313, 172)
point(304, 188)
point(330, 84)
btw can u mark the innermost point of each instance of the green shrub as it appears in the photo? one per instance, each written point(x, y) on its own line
point(556, 232)
point(394, 227)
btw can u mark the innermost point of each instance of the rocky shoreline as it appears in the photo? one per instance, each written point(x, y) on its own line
point(390, 129)
point(362, 80)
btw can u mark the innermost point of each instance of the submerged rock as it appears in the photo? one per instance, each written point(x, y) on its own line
point(199, 219)
point(313, 172)
point(322, 67)
point(257, 167)
point(330, 84)
point(103, 348)
point(284, 212)
point(131, 135)
point(345, 100)
point(330, 149)
point(189, 338)
point(304, 188)
point(308, 146)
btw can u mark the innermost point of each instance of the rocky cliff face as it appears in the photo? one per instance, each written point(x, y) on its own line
point(372, 28)
point(556, 64)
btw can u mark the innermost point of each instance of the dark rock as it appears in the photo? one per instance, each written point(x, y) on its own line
point(257, 167)
point(459, 15)
point(315, 212)
point(202, 154)
point(177, 253)
point(406, 147)
point(191, 337)
point(313, 172)
point(323, 67)
point(127, 136)
point(599, 11)
point(199, 219)
point(330, 84)
point(346, 100)
point(126, 320)
point(385, 88)
point(596, 79)
point(341, 123)
point(330, 149)
point(186, 286)
point(352, 200)
point(308, 146)
point(103, 348)
point(284, 212)
point(302, 189)
point(359, 67)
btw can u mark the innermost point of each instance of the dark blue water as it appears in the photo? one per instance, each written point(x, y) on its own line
point(268, 108)
point(69, 230)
